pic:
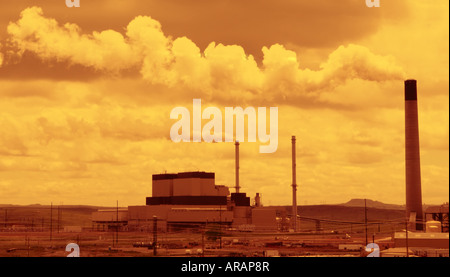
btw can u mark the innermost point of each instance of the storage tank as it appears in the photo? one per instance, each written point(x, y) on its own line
point(434, 227)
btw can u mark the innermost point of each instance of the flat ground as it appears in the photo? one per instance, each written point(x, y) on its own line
point(25, 231)
point(103, 244)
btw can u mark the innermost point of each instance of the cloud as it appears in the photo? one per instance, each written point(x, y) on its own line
point(106, 50)
point(11, 138)
point(220, 71)
point(251, 23)
point(345, 63)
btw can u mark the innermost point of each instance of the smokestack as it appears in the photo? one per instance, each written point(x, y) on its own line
point(237, 166)
point(294, 186)
point(412, 156)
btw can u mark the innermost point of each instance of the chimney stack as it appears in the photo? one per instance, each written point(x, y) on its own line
point(412, 157)
point(258, 200)
point(294, 186)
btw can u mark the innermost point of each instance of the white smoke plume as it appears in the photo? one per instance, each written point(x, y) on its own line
point(180, 62)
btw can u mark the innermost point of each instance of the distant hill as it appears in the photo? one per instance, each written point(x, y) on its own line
point(372, 204)
point(37, 215)
point(55, 206)
point(379, 205)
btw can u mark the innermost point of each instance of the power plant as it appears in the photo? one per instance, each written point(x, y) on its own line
point(188, 213)
point(193, 200)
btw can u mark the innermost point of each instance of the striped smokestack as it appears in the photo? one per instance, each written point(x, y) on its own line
point(412, 156)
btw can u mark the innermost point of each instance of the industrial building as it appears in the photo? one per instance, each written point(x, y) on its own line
point(191, 200)
point(431, 243)
point(107, 219)
point(440, 214)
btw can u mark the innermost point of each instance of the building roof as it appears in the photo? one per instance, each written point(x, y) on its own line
point(183, 175)
point(113, 210)
point(397, 250)
point(414, 235)
point(443, 209)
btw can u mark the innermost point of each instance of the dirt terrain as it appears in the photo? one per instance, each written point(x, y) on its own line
point(25, 232)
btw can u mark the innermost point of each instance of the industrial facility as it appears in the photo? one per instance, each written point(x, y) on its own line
point(188, 213)
point(189, 200)
point(192, 200)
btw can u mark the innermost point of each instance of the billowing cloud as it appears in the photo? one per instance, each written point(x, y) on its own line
point(163, 60)
point(106, 50)
point(251, 23)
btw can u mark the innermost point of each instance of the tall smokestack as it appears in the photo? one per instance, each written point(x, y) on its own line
point(294, 185)
point(412, 156)
point(237, 166)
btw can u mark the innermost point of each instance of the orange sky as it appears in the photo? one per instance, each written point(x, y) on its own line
point(86, 95)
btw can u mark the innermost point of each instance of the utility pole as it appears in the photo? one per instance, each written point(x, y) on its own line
point(28, 245)
point(155, 236)
point(203, 241)
point(365, 218)
point(294, 186)
point(58, 220)
point(62, 209)
point(407, 248)
point(51, 219)
point(220, 226)
point(117, 223)
point(237, 165)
